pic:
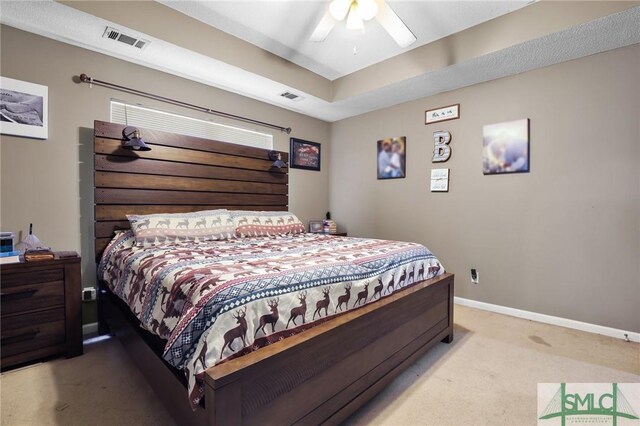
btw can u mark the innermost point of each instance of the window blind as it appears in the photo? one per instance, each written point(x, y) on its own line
point(135, 115)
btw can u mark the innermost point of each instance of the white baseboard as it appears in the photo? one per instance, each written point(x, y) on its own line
point(549, 319)
point(89, 330)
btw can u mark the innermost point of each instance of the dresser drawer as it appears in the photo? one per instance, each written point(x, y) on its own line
point(31, 297)
point(32, 277)
point(29, 332)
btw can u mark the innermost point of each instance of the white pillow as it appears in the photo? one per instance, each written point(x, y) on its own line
point(255, 223)
point(167, 228)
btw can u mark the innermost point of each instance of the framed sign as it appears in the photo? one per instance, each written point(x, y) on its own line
point(23, 109)
point(305, 154)
point(450, 112)
point(439, 180)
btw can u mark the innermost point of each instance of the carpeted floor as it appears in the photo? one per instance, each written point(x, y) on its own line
point(488, 375)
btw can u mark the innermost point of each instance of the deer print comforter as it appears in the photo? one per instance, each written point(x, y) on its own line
point(216, 300)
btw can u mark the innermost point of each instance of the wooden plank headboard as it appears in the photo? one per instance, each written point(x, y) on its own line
point(180, 174)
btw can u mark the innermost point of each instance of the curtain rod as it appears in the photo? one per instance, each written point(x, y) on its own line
point(89, 80)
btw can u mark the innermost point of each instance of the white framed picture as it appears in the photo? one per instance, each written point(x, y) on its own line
point(450, 112)
point(439, 180)
point(24, 109)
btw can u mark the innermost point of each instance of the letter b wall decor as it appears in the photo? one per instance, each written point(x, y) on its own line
point(441, 149)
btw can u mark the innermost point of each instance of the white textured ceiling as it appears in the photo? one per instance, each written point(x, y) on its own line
point(283, 27)
point(69, 25)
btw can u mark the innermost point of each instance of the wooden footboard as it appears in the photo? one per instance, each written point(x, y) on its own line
point(319, 376)
point(324, 374)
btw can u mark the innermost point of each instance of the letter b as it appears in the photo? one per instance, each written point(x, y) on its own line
point(441, 150)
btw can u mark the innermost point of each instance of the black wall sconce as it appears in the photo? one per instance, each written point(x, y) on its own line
point(131, 140)
point(276, 157)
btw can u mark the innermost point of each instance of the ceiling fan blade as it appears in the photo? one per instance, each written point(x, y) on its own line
point(394, 25)
point(324, 28)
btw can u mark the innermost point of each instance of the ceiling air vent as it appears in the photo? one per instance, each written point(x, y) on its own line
point(116, 35)
point(291, 96)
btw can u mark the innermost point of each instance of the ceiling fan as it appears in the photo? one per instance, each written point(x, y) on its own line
point(358, 11)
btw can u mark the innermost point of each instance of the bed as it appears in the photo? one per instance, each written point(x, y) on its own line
point(315, 375)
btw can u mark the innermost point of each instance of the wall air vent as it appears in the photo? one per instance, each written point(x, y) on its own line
point(291, 96)
point(117, 35)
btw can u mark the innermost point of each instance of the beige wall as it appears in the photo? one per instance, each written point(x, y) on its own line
point(49, 182)
point(562, 240)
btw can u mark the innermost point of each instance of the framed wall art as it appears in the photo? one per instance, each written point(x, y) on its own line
point(437, 115)
point(304, 154)
point(23, 109)
point(439, 180)
point(316, 226)
point(505, 147)
point(392, 162)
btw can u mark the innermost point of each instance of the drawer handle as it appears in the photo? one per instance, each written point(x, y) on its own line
point(27, 335)
point(19, 294)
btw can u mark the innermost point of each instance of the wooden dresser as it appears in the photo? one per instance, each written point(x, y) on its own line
point(41, 310)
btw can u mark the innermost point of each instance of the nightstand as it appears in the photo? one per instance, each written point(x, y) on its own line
point(41, 310)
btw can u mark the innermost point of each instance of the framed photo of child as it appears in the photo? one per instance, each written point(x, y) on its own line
point(392, 158)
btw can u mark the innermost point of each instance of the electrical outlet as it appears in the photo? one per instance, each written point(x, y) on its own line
point(88, 294)
point(475, 277)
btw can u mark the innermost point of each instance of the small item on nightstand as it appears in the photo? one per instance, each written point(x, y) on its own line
point(316, 226)
point(9, 257)
point(6, 242)
point(66, 254)
point(330, 227)
point(39, 254)
point(29, 242)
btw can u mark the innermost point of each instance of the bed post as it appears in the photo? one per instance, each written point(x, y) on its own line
point(449, 337)
point(103, 327)
point(224, 404)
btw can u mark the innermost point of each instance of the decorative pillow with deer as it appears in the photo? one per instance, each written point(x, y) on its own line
point(208, 225)
point(257, 224)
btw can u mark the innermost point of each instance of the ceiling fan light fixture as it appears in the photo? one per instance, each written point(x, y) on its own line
point(357, 11)
point(339, 9)
point(367, 9)
point(354, 21)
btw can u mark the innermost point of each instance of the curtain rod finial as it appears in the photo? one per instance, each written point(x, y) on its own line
point(288, 130)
